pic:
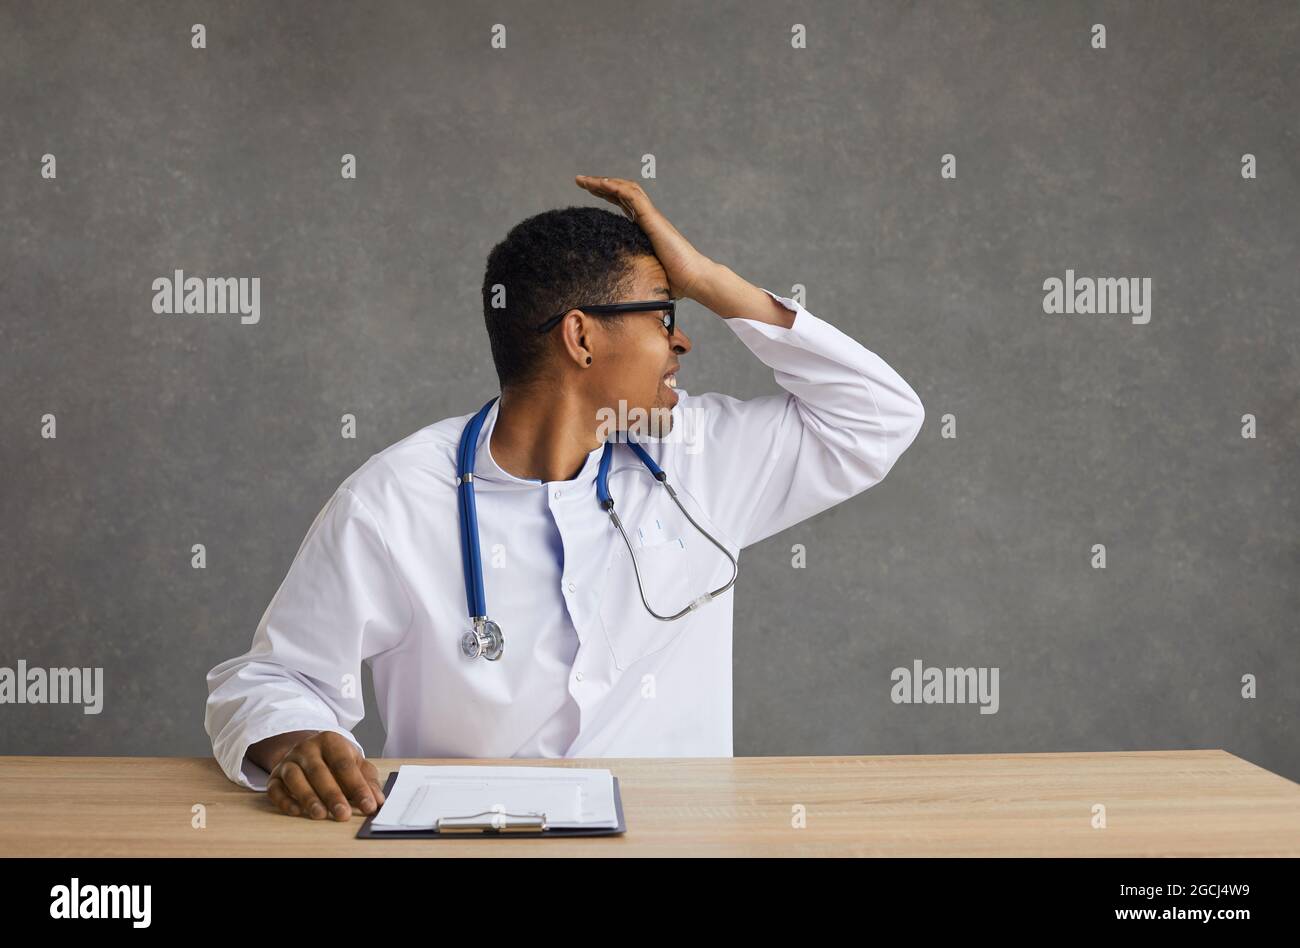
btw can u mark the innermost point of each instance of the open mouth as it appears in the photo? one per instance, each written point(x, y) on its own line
point(671, 379)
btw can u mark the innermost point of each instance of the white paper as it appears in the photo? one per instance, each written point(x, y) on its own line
point(569, 796)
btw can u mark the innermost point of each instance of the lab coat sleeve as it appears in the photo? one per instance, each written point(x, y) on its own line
point(340, 603)
point(844, 419)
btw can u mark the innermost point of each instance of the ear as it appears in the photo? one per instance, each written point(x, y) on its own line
point(579, 337)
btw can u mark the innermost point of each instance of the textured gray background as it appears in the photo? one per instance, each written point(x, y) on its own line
point(817, 166)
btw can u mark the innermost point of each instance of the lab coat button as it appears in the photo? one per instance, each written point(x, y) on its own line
point(557, 495)
point(572, 588)
point(578, 676)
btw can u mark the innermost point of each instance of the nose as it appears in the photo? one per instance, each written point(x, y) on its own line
point(680, 342)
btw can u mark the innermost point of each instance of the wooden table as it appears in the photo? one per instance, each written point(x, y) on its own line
point(1157, 803)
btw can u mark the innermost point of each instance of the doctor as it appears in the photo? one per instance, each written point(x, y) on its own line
point(586, 670)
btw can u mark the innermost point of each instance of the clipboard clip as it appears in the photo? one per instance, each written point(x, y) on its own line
point(522, 823)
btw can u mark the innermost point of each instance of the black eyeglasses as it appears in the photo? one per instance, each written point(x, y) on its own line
point(668, 307)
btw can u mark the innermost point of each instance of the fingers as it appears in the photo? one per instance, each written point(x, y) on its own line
point(615, 190)
point(372, 778)
point(323, 776)
point(296, 782)
point(281, 798)
point(627, 195)
point(327, 789)
point(342, 761)
point(308, 779)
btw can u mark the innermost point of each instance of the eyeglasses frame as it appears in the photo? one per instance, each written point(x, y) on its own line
point(637, 306)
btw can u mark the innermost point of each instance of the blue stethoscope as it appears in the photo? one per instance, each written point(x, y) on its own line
point(486, 638)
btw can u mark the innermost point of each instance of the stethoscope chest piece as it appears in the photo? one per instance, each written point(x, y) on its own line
point(485, 640)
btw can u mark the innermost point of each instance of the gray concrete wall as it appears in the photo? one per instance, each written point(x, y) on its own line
point(818, 166)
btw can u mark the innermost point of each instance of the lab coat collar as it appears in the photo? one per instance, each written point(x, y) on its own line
point(495, 477)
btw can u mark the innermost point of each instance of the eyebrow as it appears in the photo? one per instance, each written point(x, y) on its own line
point(664, 290)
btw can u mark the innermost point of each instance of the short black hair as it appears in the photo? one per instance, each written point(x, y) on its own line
point(547, 264)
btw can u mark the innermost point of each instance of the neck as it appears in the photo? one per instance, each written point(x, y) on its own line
point(543, 435)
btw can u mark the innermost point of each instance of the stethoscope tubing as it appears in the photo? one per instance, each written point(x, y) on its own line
point(471, 558)
point(470, 553)
point(696, 603)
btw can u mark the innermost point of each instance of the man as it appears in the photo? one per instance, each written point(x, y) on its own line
point(586, 669)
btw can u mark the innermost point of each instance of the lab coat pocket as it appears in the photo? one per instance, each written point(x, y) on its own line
point(631, 631)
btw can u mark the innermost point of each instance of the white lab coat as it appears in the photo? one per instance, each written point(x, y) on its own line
point(586, 670)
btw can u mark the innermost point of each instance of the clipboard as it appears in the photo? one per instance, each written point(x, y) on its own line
point(525, 828)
